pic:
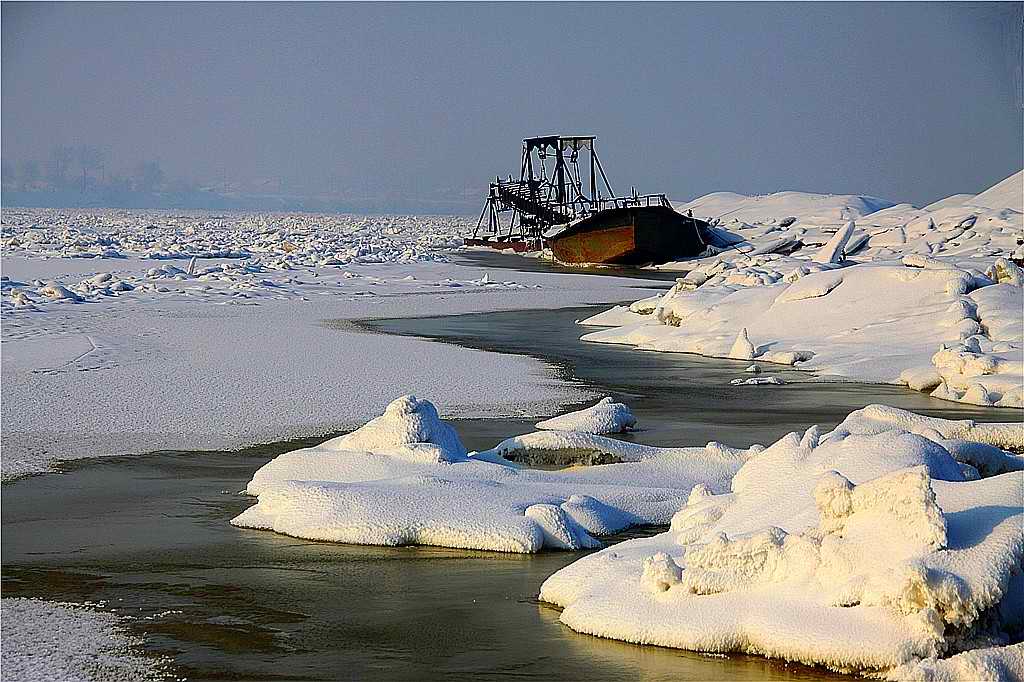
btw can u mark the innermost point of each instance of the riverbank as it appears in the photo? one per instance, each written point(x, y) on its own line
point(190, 364)
point(149, 537)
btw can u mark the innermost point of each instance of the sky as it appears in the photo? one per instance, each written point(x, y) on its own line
point(909, 102)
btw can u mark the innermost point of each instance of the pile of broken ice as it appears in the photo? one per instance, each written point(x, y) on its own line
point(886, 545)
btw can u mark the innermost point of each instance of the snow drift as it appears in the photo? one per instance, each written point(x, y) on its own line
point(955, 333)
point(405, 478)
point(857, 551)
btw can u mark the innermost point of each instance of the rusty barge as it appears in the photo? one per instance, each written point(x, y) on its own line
point(551, 207)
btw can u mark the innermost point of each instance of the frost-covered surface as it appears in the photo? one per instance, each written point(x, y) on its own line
point(418, 486)
point(991, 664)
point(125, 332)
point(931, 299)
point(45, 642)
point(868, 548)
point(607, 416)
point(962, 227)
point(927, 328)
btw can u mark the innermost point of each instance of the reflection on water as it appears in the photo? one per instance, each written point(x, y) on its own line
point(679, 399)
point(149, 535)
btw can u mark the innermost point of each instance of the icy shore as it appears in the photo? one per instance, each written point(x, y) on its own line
point(126, 332)
point(884, 546)
point(867, 549)
point(930, 299)
point(45, 641)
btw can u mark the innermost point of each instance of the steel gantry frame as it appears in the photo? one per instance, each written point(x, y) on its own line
point(544, 197)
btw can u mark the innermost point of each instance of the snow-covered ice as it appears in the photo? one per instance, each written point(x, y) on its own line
point(989, 664)
point(404, 478)
point(607, 416)
point(126, 332)
point(45, 642)
point(869, 548)
point(931, 299)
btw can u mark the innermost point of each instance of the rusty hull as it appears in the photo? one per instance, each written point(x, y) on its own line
point(635, 235)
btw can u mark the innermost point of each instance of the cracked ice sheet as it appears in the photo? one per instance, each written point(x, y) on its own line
point(195, 368)
point(781, 569)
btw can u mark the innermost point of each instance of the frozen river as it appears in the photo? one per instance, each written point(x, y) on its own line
point(150, 537)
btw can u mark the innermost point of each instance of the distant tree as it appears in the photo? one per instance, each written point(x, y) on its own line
point(148, 176)
point(58, 165)
point(8, 174)
point(89, 159)
point(28, 173)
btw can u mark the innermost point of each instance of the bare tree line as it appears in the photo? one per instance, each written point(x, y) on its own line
point(84, 168)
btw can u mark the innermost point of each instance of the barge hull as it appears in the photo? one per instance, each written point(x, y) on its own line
point(636, 235)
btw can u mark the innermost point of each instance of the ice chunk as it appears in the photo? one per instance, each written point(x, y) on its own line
point(835, 250)
point(742, 348)
point(607, 416)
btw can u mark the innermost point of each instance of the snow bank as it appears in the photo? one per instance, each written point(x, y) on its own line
point(990, 664)
point(857, 551)
point(412, 491)
point(607, 416)
point(1008, 193)
point(71, 642)
point(934, 327)
point(774, 208)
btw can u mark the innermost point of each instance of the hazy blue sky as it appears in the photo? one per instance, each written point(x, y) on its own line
point(904, 101)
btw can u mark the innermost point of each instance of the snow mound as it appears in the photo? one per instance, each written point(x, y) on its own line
point(607, 416)
point(408, 426)
point(924, 322)
point(1008, 193)
point(804, 206)
point(853, 551)
point(389, 497)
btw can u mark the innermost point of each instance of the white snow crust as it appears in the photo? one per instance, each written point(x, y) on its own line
point(607, 416)
point(199, 331)
point(869, 549)
point(419, 486)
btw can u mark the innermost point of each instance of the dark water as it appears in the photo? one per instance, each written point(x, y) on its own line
point(149, 535)
point(680, 399)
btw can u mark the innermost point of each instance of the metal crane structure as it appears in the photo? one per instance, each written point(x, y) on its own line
point(551, 190)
